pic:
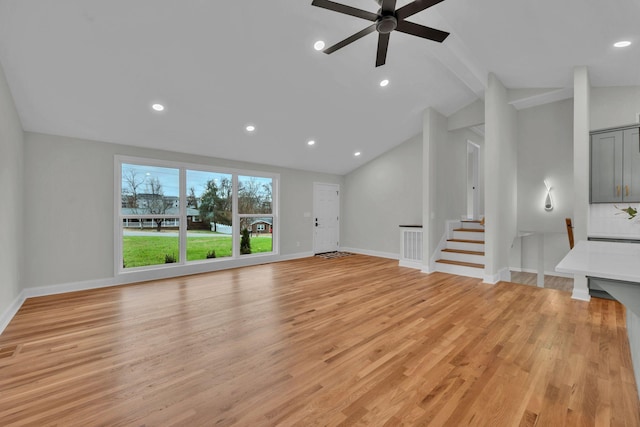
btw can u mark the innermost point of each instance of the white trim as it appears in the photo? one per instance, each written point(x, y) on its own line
point(427, 269)
point(184, 267)
point(410, 264)
point(129, 278)
point(581, 294)
point(504, 275)
point(63, 288)
point(437, 253)
point(460, 270)
point(378, 254)
point(157, 274)
point(315, 212)
point(11, 311)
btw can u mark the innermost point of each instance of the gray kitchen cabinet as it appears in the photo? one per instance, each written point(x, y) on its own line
point(615, 166)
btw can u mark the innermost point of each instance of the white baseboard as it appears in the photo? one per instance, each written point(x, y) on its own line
point(410, 264)
point(135, 277)
point(581, 294)
point(426, 269)
point(371, 253)
point(504, 275)
point(63, 288)
point(11, 311)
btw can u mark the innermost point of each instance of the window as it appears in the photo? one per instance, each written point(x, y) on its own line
point(179, 214)
point(254, 202)
point(210, 197)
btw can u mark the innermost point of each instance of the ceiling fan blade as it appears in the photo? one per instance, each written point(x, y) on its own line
point(347, 10)
point(348, 40)
point(388, 7)
point(421, 31)
point(415, 7)
point(383, 45)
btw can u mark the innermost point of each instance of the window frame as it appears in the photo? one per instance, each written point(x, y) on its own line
point(182, 167)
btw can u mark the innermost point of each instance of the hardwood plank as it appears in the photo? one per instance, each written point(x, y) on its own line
point(349, 341)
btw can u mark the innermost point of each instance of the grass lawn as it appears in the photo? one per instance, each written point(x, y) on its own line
point(139, 251)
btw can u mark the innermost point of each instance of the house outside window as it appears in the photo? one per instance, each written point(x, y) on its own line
point(172, 214)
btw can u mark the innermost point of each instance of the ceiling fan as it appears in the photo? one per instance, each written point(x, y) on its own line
point(385, 21)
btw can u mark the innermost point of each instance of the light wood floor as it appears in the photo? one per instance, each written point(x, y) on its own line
point(550, 282)
point(350, 341)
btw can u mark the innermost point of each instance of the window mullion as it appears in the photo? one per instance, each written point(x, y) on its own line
point(183, 215)
point(235, 222)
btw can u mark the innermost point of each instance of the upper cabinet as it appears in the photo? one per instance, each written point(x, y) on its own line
point(615, 166)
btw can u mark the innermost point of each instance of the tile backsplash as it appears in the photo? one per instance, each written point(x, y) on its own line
point(605, 220)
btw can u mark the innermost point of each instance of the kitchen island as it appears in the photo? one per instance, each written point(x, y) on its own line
point(616, 267)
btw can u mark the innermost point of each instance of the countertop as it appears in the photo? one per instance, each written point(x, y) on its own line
point(608, 260)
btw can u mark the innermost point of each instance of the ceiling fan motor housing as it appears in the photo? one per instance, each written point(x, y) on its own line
point(386, 24)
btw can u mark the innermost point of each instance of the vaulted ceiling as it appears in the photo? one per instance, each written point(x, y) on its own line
point(92, 68)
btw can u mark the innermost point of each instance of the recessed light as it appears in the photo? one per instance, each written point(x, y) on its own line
point(158, 107)
point(319, 45)
point(311, 142)
point(357, 153)
point(623, 43)
point(250, 128)
point(384, 82)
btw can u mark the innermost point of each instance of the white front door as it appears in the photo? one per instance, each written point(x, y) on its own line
point(326, 216)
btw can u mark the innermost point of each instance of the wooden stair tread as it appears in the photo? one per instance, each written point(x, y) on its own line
point(464, 264)
point(460, 251)
point(472, 230)
point(474, 221)
point(478, 242)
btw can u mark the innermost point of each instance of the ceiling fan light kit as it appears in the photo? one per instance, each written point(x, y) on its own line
point(385, 21)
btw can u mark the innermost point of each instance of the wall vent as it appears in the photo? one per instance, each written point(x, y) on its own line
point(412, 245)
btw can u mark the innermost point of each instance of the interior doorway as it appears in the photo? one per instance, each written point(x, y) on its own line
point(326, 216)
point(473, 166)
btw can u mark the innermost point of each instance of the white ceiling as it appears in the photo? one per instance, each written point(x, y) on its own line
point(92, 68)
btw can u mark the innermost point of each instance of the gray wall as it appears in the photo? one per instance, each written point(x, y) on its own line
point(11, 208)
point(70, 214)
point(545, 151)
point(381, 195)
point(614, 106)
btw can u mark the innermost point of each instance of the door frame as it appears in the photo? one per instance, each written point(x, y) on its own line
point(315, 213)
point(473, 167)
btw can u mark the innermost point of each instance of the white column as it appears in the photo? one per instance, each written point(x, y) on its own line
point(428, 178)
point(581, 127)
point(500, 159)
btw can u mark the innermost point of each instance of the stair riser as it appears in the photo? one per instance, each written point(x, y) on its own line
point(468, 235)
point(471, 226)
point(453, 256)
point(460, 270)
point(466, 246)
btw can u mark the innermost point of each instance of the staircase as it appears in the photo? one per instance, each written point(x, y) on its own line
point(464, 251)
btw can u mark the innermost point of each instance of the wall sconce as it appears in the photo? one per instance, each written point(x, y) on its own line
point(548, 203)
